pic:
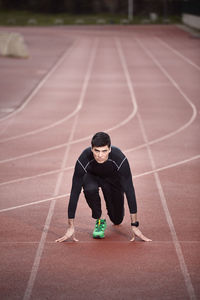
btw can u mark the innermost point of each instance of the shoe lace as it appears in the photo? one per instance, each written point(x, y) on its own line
point(99, 224)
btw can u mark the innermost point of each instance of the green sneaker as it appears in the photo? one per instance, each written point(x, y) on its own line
point(99, 229)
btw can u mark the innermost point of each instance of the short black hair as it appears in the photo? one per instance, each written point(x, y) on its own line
point(101, 139)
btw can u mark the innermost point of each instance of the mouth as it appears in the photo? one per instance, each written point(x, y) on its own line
point(100, 160)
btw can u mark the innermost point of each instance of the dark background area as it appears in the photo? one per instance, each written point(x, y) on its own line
point(140, 7)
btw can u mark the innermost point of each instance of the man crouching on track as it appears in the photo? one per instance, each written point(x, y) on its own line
point(106, 167)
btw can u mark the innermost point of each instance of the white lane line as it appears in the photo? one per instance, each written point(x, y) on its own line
point(177, 245)
point(18, 180)
point(34, 153)
point(69, 116)
point(120, 124)
point(164, 137)
point(36, 176)
point(167, 136)
point(194, 113)
point(92, 241)
point(33, 203)
point(178, 53)
point(174, 83)
point(186, 98)
point(39, 252)
point(41, 83)
point(40, 248)
point(66, 195)
point(130, 86)
point(179, 163)
point(128, 150)
point(131, 90)
point(176, 242)
point(126, 72)
point(180, 256)
point(36, 131)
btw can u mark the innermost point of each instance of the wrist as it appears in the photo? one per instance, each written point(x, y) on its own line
point(133, 218)
point(71, 222)
point(135, 224)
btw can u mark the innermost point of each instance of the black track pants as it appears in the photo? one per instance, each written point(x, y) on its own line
point(113, 195)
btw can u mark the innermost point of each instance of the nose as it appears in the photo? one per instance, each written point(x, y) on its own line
point(100, 154)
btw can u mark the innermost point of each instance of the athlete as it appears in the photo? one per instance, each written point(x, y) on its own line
point(106, 167)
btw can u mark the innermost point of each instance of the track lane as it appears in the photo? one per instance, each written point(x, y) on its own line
point(178, 53)
point(41, 245)
point(143, 285)
point(182, 264)
point(39, 86)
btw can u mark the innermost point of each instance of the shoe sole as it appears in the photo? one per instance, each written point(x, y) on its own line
point(98, 237)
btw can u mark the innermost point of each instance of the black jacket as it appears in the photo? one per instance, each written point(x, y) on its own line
point(115, 169)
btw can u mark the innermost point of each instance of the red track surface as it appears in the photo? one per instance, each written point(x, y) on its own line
point(140, 84)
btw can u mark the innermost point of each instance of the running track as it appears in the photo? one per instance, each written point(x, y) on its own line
point(140, 84)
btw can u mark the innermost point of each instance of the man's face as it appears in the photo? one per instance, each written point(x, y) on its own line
point(101, 153)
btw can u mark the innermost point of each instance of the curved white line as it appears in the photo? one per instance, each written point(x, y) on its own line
point(175, 240)
point(33, 153)
point(130, 116)
point(33, 132)
point(174, 83)
point(118, 125)
point(36, 176)
point(33, 203)
point(168, 166)
point(66, 118)
point(66, 195)
point(72, 167)
point(167, 136)
point(40, 248)
point(183, 266)
point(130, 87)
point(194, 110)
point(155, 242)
point(108, 130)
point(41, 83)
point(177, 246)
point(178, 53)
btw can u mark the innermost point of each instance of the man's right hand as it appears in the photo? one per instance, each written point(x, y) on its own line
point(68, 234)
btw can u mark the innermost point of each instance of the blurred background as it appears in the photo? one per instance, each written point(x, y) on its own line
point(44, 12)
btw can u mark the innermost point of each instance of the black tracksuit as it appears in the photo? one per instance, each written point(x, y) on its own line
point(113, 177)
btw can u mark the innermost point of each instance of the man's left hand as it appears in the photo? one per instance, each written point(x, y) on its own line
point(138, 233)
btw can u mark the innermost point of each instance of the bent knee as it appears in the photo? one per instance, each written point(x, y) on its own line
point(90, 190)
point(117, 221)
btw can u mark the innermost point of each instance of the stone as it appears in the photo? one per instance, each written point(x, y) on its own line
point(13, 44)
